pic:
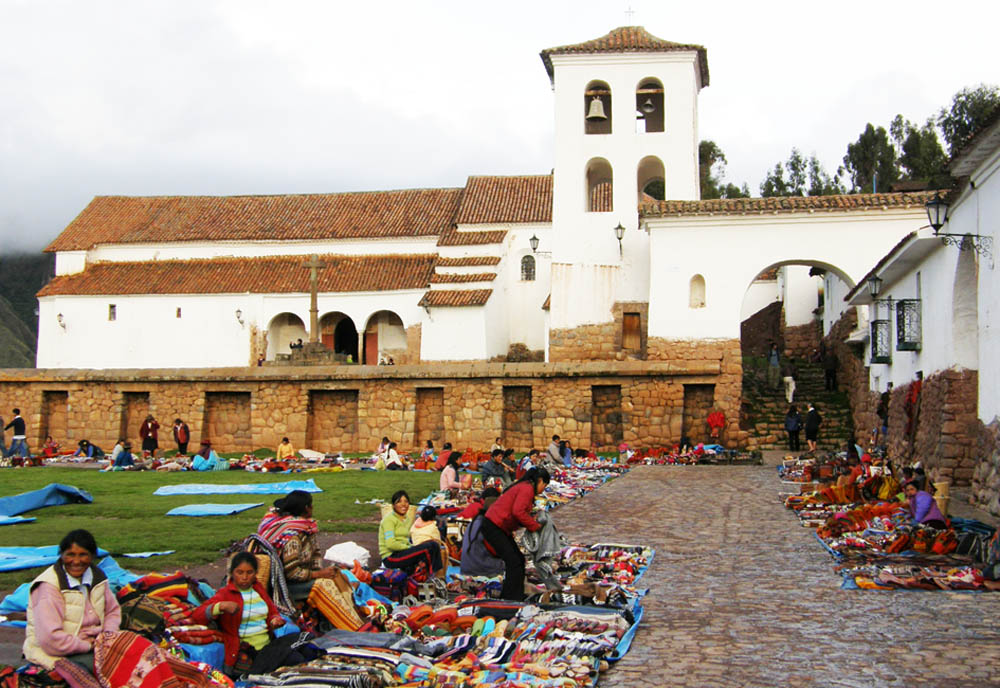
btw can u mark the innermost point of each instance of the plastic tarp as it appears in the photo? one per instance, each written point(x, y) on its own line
point(52, 494)
point(211, 509)
point(17, 558)
point(14, 520)
point(253, 488)
point(146, 555)
point(17, 601)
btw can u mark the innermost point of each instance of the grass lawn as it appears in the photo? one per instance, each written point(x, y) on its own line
point(126, 517)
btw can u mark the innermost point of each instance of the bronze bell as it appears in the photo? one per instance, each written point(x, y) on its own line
point(596, 109)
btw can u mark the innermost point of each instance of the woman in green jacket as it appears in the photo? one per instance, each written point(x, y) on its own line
point(394, 541)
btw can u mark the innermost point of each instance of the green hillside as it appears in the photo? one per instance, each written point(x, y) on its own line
point(21, 276)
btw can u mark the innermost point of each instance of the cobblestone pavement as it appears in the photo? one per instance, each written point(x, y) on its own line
point(741, 595)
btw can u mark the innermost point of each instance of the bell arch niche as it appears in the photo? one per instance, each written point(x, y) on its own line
point(338, 334)
point(651, 179)
point(597, 108)
point(649, 106)
point(385, 337)
point(600, 186)
point(284, 329)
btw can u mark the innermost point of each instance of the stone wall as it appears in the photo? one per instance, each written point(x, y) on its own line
point(941, 429)
point(517, 417)
point(698, 403)
point(601, 342)
point(242, 409)
point(985, 491)
point(55, 415)
point(606, 417)
point(763, 328)
point(429, 421)
point(802, 340)
point(852, 377)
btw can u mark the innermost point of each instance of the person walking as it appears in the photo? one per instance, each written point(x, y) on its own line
point(788, 373)
point(19, 438)
point(813, 421)
point(830, 364)
point(148, 433)
point(773, 367)
point(3, 445)
point(182, 435)
point(793, 425)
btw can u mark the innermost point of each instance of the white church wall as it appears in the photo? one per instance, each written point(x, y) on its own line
point(454, 334)
point(742, 247)
point(978, 212)
point(758, 295)
point(582, 294)
point(524, 299)
point(834, 291)
point(800, 295)
point(70, 262)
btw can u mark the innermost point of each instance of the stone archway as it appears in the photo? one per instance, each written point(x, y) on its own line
point(338, 334)
point(385, 338)
point(282, 330)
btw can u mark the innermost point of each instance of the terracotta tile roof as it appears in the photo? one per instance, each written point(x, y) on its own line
point(372, 214)
point(493, 200)
point(272, 275)
point(601, 197)
point(468, 262)
point(441, 298)
point(627, 39)
point(785, 204)
point(447, 278)
point(452, 237)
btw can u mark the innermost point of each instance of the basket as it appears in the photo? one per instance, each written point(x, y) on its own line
point(942, 503)
point(941, 487)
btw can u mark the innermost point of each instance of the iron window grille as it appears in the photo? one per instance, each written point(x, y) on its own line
point(528, 269)
point(908, 334)
point(881, 341)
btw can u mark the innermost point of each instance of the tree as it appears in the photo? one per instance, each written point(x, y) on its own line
point(871, 160)
point(712, 171)
point(970, 109)
point(919, 151)
point(800, 176)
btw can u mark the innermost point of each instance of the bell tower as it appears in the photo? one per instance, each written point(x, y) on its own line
point(626, 128)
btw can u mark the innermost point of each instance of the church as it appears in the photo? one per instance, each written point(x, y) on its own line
point(608, 274)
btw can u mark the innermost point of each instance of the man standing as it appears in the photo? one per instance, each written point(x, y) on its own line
point(181, 436)
point(18, 441)
point(3, 446)
point(773, 367)
point(830, 370)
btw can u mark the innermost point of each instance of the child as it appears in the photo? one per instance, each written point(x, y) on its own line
point(50, 448)
point(425, 529)
point(245, 613)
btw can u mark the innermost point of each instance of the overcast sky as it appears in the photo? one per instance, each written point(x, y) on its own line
point(243, 97)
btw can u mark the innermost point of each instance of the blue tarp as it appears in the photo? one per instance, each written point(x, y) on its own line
point(17, 558)
point(14, 520)
point(52, 494)
point(255, 488)
point(211, 509)
point(146, 555)
point(17, 601)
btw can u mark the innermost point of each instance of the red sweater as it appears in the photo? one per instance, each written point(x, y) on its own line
point(229, 624)
point(512, 510)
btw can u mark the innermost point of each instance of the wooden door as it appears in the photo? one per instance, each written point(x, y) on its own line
point(371, 348)
point(631, 340)
point(327, 339)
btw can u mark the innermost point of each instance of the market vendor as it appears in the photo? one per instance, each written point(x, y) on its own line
point(511, 512)
point(448, 480)
point(285, 450)
point(70, 604)
point(923, 509)
point(493, 469)
point(394, 545)
point(476, 559)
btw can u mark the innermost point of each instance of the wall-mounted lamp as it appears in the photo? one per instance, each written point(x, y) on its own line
point(619, 233)
point(937, 216)
point(61, 320)
point(874, 285)
point(533, 241)
point(239, 316)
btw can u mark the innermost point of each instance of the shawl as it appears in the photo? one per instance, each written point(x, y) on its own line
point(278, 529)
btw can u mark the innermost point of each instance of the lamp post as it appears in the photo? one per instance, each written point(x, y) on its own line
point(619, 233)
point(937, 216)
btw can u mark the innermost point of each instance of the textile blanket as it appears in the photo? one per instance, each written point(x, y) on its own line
point(544, 546)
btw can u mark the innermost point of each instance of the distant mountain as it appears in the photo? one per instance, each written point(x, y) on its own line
point(21, 276)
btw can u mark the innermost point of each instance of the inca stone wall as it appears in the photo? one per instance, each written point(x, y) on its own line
point(429, 421)
point(986, 475)
point(242, 409)
point(517, 417)
point(852, 378)
point(606, 417)
point(802, 340)
point(698, 402)
point(55, 413)
point(602, 342)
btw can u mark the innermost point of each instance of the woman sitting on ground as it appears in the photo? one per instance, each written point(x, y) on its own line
point(393, 462)
point(206, 459)
point(70, 604)
point(245, 613)
point(85, 449)
point(285, 450)
point(448, 479)
point(923, 509)
point(124, 461)
point(291, 530)
point(428, 453)
point(510, 513)
point(394, 545)
point(51, 448)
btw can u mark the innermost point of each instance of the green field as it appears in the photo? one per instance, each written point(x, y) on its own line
point(126, 517)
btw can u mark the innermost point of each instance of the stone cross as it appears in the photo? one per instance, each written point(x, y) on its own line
point(314, 265)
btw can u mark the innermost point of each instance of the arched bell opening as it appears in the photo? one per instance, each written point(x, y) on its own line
point(597, 108)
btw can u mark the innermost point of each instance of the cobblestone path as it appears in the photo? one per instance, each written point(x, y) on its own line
point(741, 595)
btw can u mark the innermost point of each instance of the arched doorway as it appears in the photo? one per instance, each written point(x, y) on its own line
point(338, 334)
point(284, 329)
point(385, 338)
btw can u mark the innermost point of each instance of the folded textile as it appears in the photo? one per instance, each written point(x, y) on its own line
point(211, 509)
point(251, 488)
point(52, 494)
point(14, 520)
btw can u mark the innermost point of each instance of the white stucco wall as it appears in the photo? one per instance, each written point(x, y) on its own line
point(454, 334)
point(744, 245)
point(800, 294)
point(147, 333)
point(525, 318)
point(758, 295)
point(70, 262)
point(978, 212)
point(834, 291)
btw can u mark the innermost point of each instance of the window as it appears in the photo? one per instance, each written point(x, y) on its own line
point(631, 338)
point(528, 269)
point(112, 311)
point(178, 311)
point(697, 292)
point(908, 332)
point(881, 347)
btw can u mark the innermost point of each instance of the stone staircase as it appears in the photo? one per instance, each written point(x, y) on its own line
point(763, 412)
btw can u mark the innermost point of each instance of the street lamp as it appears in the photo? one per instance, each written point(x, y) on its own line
point(937, 212)
point(937, 216)
point(619, 233)
point(534, 243)
point(874, 285)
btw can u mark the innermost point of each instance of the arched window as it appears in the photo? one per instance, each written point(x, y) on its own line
point(528, 269)
point(649, 106)
point(650, 179)
point(697, 292)
point(597, 108)
point(600, 186)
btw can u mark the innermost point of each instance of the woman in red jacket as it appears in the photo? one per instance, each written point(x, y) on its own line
point(510, 513)
point(245, 613)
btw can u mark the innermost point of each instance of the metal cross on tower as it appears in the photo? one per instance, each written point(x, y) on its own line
point(314, 265)
point(628, 14)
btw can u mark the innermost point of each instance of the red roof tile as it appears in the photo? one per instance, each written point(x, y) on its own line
point(785, 204)
point(448, 278)
point(272, 275)
point(627, 39)
point(468, 262)
point(453, 237)
point(372, 214)
point(441, 298)
point(493, 200)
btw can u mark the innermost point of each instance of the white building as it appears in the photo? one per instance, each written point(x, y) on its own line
point(450, 274)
